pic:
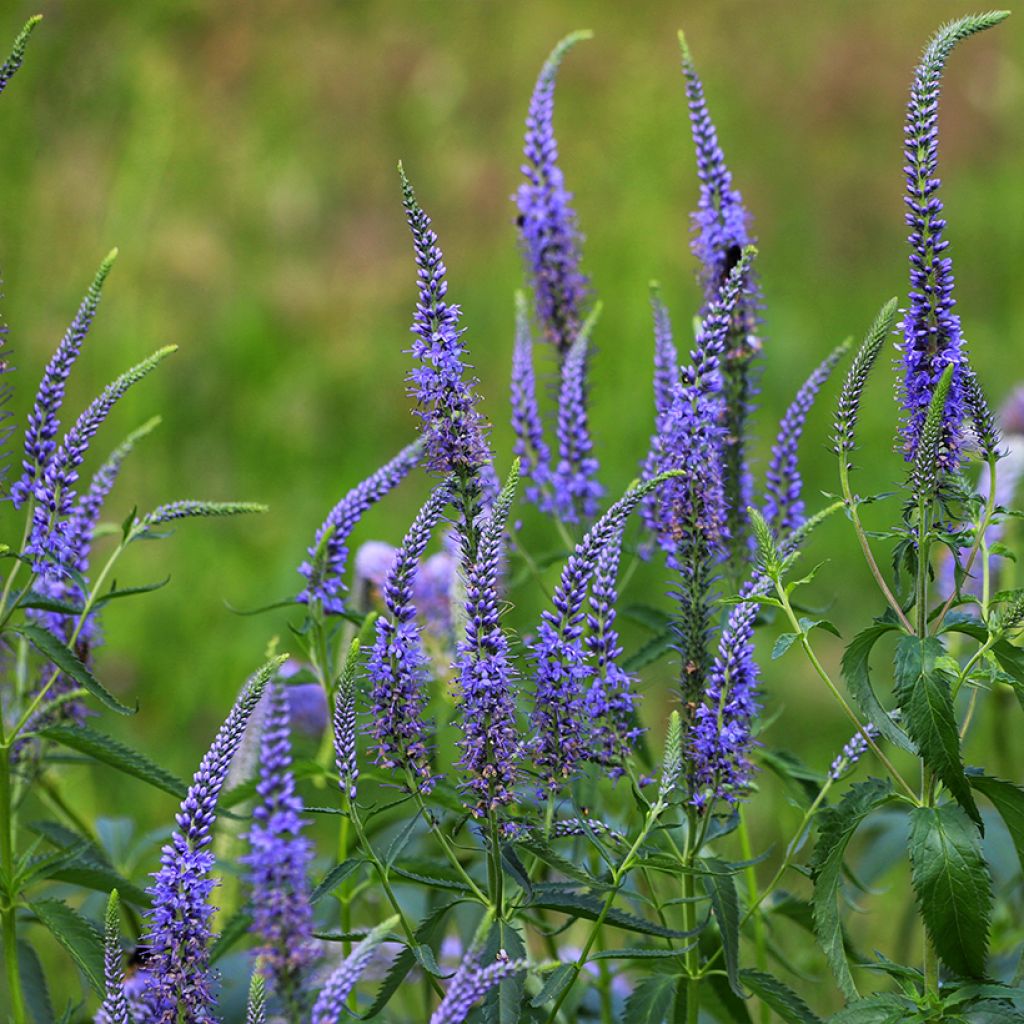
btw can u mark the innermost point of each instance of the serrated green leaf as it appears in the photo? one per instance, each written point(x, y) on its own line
point(504, 1003)
point(434, 881)
point(236, 929)
point(836, 827)
point(856, 672)
point(590, 907)
point(567, 867)
point(33, 985)
point(783, 644)
point(513, 867)
point(780, 997)
point(639, 953)
point(400, 841)
point(720, 885)
point(78, 935)
point(657, 647)
point(425, 958)
point(1008, 800)
point(924, 694)
point(952, 885)
point(107, 750)
point(70, 664)
point(555, 984)
point(335, 877)
point(884, 1009)
point(650, 1001)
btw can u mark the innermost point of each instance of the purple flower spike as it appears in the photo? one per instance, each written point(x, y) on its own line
point(721, 736)
point(851, 753)
point(327, 557)
point(453, 430)
point(344, 723)
point(278, 861)
point(330, 1003)
point(783, 506)
point(17, 55)
point(114, 1009)
point(179, 934)
point(530, 446)
point(562, 666)
point(398, 666)
point(611, 698)
point(43, 423)
point(574, 490)
point(491, 746)
point(931, 330)
point(547, 222)
point(53, 536)
point(470, 984)
point(721, 226)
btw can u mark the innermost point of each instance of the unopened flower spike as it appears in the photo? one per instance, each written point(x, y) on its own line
point(330, 1003)
point(932, 339)
point(983, 423)
point(177, 943)
point(471, 983)
point(344, 723)
point(575, 490)
point(325, 567)
point(491, 747)
point(398, 666)
point(278, 861)
point(190, 508)
point(672, 762)
point(721, 226)
point(43, 422)
point(530, 446)
point(256, 1009)
point(783, 504)
point(547, 222)
point(926, 473)
point(114, 1009)
point(53, 532)
point(844, 425)
point(17, 55)
point(851, 753)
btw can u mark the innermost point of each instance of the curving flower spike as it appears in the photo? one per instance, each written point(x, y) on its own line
point(43, 423)
point(852, 752)
point(783, 507)
point(328, 555)
point(454, 433)
point(114, 1009)
point(721, 226)
point(255, 1012)
point(575, 490)
point(530, 447)
point(562, 666)
point(17, 55)
point(398, 666)
point(932, 338)
point(491, 746)
point(611, 699)
point(178, 983)
point(470, 984)
point(278, 861)
point(547, 223)
point(54, 534)
point(330, 1003)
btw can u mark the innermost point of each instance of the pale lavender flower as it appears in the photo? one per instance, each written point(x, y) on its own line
point(278, 861)
point(43, 423)
point(530, 446)
point(330, 1003)
point(179, 933)
point(931, 330)
point(547, 222)
point(575, 490)
point(611, 699)
point(307, 708)
point(453, 431)
point(491, 747)
point(398, 665)
point(470, 984)
point(783, 507)
point(327, 557)
point(851, 753)
point(721, 232)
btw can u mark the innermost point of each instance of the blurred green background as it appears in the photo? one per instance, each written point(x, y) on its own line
point(243, 159)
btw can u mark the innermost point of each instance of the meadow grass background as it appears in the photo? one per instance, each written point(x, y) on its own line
point(243, 159)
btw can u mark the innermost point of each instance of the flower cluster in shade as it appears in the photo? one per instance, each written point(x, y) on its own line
point(563, 666)
point(330, 1005)
point(530, 447)
point(932, 336)
point(491, 747)
point(472, 981)
point(325, 567)
point(783, 507)
point(611, 698)
point(278, 859)
point(177, 942)
point(547, 222)
point(454, 434)
point(53, 537)
point(721, 226)
point(398, 667)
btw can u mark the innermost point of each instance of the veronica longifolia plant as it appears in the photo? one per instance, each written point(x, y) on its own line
point(548, 819)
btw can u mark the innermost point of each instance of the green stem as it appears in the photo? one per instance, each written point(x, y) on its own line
point(434, 827)
point(691, 957)
point(8, 910)
point(750, 874)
